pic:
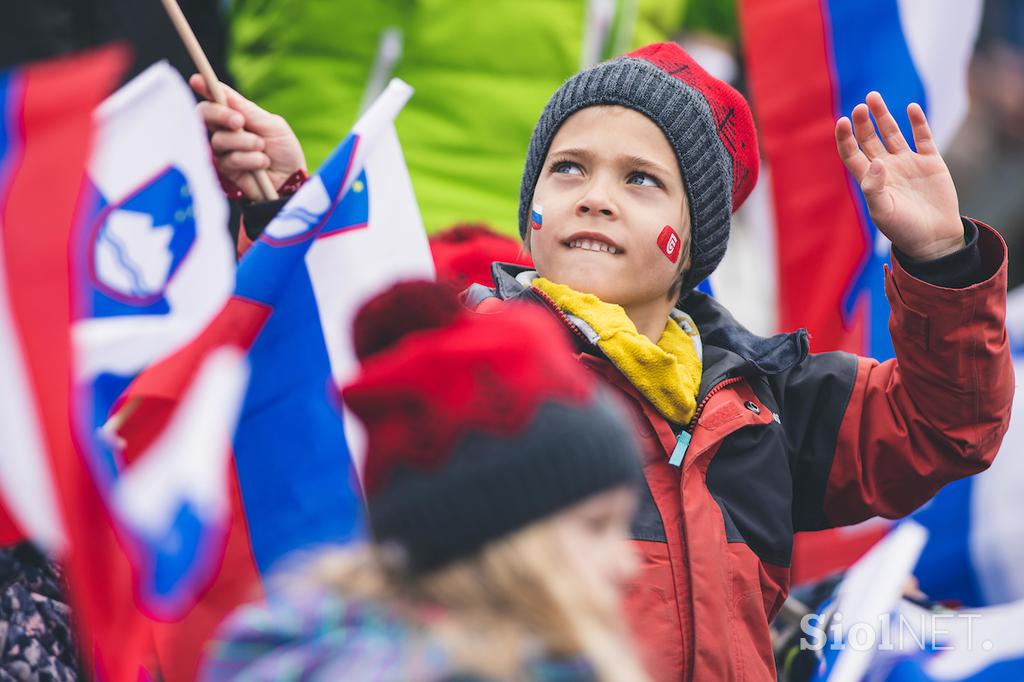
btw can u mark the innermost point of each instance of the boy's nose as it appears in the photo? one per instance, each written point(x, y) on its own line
point(596, 201)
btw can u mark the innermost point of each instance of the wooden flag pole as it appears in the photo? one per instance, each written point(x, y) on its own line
point(195, 51)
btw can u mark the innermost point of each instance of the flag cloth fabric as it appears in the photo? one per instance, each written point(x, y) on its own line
point(350, 231)
point(870, 591)
point(45, 134)
point(869, 633)
point(153, 265)
point(910, 643)
point(909, 51)
point(986, 645)
point(27, 491)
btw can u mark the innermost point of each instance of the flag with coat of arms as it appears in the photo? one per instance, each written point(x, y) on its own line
point(154, 264)
point(97, 262)
point(349, 232)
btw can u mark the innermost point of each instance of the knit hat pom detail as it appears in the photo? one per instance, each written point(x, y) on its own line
point(405, 308)
point(476, 425)
point(730, 110)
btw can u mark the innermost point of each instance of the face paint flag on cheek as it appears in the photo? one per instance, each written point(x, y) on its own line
point(536, 217)
point(669, 243)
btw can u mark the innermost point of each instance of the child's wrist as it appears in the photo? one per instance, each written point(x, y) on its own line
point(938, 248)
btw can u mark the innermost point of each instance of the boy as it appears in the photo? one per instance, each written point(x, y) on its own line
point(631, 177)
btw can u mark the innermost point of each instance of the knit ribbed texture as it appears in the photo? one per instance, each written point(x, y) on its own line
point(684, 116)
point(493, 485)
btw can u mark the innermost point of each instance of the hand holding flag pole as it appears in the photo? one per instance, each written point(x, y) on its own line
point(213, 85)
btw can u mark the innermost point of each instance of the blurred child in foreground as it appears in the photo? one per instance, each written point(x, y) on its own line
point(500, 482)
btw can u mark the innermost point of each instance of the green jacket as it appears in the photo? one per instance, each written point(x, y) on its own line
point(482, 73)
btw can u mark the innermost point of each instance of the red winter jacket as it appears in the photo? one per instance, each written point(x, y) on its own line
point(786, 441)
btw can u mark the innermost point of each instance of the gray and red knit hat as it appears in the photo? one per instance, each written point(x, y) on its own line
point(707, 122)
point(477, 425)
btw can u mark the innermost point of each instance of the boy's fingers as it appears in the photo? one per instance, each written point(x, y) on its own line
point(854, 159)
point(219, 116)
point(224, 141)
point(923, 139)
point(887, 126)
point(256, 118)
point(864, 131)
point(198, 85)
point(878, 198)
point(252, 115)
point(873, 182)
point(243, 161)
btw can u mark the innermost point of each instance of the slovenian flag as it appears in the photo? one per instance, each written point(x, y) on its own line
point(153, 265)
point(46, 486)
point(352, 230)
point(810, 62)
point(869, 631)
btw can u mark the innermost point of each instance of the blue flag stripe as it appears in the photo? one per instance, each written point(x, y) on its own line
point(888, 68)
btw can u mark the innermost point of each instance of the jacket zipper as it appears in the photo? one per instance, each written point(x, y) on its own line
point(703, 403)
point(558, 311)
point(685, 435)
point(689, 655)
point(700, 408)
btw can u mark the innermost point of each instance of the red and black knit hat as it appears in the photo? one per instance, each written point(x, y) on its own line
point(707, 122)
point(477, 425)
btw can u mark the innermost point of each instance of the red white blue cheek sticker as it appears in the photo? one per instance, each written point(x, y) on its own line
point(536, 217)
point(670, 244)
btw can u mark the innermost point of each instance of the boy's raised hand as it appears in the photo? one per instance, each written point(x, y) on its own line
point(910, 195)
point(246, 138)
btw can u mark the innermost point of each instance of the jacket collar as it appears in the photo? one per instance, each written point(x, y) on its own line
point(730, 349)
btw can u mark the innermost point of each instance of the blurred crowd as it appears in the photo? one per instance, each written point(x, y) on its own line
point(987, 156)
point(319, 65)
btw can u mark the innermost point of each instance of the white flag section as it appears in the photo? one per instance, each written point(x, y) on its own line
point(349, 268)
point(940, 35)
point(152, 265)
point(190, 459)
point(873, 587)
point(159, 255)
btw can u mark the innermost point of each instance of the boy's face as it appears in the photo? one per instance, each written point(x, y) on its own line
point(609, 188)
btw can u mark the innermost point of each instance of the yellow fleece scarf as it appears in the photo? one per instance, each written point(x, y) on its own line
point(667, 373)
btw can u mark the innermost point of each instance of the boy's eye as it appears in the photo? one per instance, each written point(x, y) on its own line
point(566, 168)
point(642, 179)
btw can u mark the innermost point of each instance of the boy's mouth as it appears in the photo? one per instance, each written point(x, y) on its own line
point(592, 241)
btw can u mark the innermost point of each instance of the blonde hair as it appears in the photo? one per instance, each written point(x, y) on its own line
point(514, 601)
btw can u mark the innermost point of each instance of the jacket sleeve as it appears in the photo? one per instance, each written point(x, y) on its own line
point(880, 439)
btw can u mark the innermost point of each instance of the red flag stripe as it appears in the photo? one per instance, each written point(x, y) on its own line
point(792, 87)
point(38, 219)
